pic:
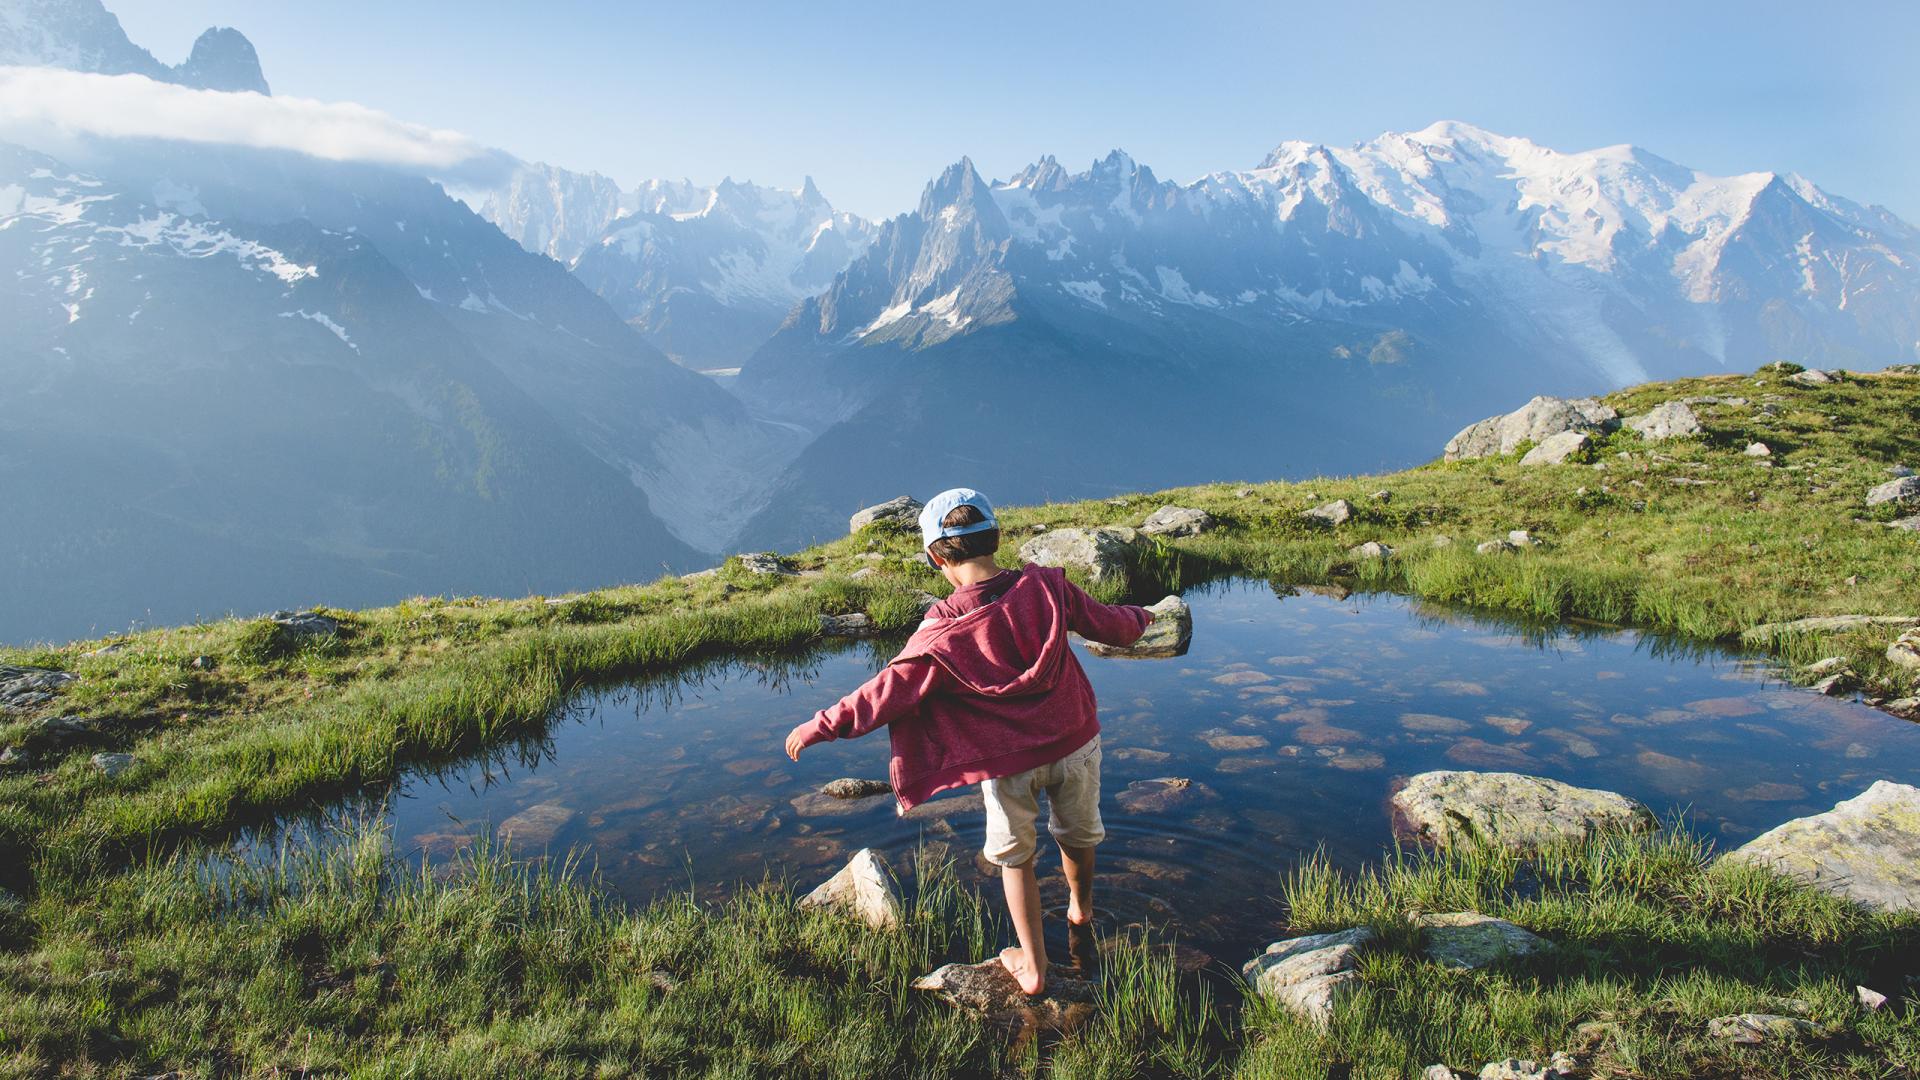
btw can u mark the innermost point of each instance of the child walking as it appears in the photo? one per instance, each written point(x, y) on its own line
point(987, 691)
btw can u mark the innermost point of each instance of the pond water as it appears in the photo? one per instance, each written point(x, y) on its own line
point(1291, 716)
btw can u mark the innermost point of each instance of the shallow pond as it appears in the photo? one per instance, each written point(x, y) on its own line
point(1291, 716)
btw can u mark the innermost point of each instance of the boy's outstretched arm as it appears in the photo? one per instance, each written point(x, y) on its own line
point(894, 692)
point(1118, 625)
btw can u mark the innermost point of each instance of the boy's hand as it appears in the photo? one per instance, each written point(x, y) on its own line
point(796, 741)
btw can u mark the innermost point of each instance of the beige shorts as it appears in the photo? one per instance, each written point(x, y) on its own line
point(1072, 785)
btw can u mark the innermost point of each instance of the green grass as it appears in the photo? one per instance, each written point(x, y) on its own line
point(234, 721)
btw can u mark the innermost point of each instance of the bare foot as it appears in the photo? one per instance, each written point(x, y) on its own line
point(1014, 959)
point(1076, 917)
point(1084, 949)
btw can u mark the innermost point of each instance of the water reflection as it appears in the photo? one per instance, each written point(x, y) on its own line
point(1288, 722)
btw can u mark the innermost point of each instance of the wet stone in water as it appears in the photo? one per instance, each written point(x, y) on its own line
point(1162, 794)
point(851, 788)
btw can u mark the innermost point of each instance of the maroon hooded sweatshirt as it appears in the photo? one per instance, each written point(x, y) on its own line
point(988, 686)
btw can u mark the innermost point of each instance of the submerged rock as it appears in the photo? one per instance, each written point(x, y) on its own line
point(1537, 421)
point(1104, 553)
point(862, 889)
point(1866, 849)
point(1178, 521)
point(988, 989)
point(1309, 976)
point(1557, 449)
point(900, 510)
point(1161, 794)
point(1668, 420)
point(850, 788)
point(1509, 810)
point(535, 827)
point(1170, 634)
point(1465, 940)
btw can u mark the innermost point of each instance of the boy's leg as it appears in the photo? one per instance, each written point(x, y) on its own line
point(1074, 819)
point(1028, 961)
point(1078, 864)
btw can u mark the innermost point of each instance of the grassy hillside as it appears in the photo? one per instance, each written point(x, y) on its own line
point(121, 944)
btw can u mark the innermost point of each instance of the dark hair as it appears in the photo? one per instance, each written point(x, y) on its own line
point(971, 546)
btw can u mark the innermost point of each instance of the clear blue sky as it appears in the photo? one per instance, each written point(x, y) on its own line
point(872, 99)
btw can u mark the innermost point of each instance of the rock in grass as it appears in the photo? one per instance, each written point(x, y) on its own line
point(1558, 449)
point(989, 990)
point(306, 623)
point(1104, 553)
point(1497, 546)
point(536, 827)
point(1910, 524)
point(1753, 1029)
point(1758, 449)
point(1337, 512)
point(850, 788)
point(26, 687)
point(766, 562)
point(1465, 940)
point(58, 732)
point(1309, 976)
point(1372, 549)
point(1900, 492)
point(1870, 1000)
point(11, 756)
point(1905, 651)
point(1448, 808)
point(1866, 849)
point(862, 889)
point(900, 510)
point(1812, 377)
point(1537, 421)
point(1826, 624)
point(1668, 420)
point(1178, 521)
point(1559, 1067)
point(1169, 634)
point(854, 625)
point(111, 765)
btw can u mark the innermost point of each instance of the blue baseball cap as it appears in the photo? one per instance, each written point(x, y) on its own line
point(947, 502)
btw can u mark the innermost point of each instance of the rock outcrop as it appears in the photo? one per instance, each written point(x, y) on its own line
point(862, 889)
point(1902, 491)
point(1536, 422)
point(1170, 634)
point(26, 687)
point(1104, 553)
point(1337, 512)
point(1668, 420)
point(1866, 849)
point(1178, 521)
point(1309, 976)
point(1905, 651)
point(900, 511)
point(1465, 940)
point(1510, 810)
point(306, 623)
point(1557, 449)
point(766, 562)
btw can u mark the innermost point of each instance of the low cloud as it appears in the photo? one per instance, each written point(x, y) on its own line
point(43, 105)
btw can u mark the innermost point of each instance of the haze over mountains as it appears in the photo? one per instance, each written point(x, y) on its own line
point(246, 378)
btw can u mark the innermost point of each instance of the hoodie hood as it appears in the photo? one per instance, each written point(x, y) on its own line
point(1016, 646)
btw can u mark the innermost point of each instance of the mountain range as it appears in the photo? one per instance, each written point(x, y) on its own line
point(248, 378)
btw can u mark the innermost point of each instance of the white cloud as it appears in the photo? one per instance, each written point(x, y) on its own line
point(42, 104)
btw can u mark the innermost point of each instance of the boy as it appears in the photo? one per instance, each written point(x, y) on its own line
point(988, 692)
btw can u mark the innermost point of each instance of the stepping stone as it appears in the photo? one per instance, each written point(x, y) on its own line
point(989, 990)
point(1309, 976)
point(1466, 940)
point(1510, 810)
point(863, 889)
point(1170, 634)
point(1866, 849)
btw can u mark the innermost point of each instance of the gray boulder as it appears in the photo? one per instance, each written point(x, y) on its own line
point(1372, 549)
point(1557, 449)
point(862, 889)
point(765, 562)
point(1309, 976)
point(1668, 420)
point(1178, 521)
point(1812, 377)
point(1170, 634)
point(1900, 491)
point(26, 687)
point(989, 991)
point(112, 765)
point(1104, 553)
point(1758, 450)
point(1337, 512)
point(1753, 1029)
point(1536, 422)
point(1866, 849)
point(1465, 940)
point(1448, 808)
point(1495, 547)
point(1910, 523)
point(901, 510)
point(536, 827)
point(306, 623)
point(856, 624)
